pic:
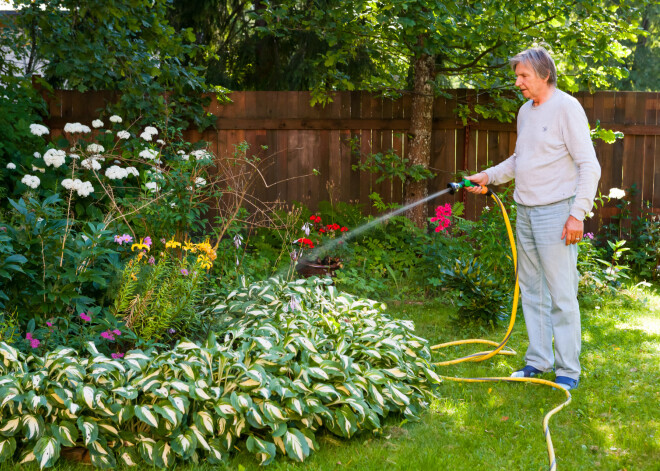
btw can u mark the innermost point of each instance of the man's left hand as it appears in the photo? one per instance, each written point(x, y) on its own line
point(573, 230)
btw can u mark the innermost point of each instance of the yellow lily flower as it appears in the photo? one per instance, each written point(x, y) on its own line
point(140, 246)
point(204, 261)
point(172, 244)
point(190, 246)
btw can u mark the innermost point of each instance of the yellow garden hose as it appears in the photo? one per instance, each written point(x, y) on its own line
point(499, 347)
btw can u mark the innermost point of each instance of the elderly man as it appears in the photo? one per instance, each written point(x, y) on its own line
point(556, 176)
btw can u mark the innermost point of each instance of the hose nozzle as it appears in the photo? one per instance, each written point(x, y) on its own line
point(465, 183)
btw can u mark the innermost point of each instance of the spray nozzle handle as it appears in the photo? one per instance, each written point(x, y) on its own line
point(465, 183)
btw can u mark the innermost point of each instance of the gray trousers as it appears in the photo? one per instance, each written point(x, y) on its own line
point(548, 277)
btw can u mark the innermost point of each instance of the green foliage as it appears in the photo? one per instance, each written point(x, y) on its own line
point(127, 46)
point(388, 165)
point(53, 267)
point(158, 296)
point(606, 135)
point(292, 357)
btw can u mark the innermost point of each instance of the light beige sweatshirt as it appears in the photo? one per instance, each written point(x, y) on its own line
point(554, 157)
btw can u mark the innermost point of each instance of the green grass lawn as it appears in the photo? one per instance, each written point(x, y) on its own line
point(613, 422)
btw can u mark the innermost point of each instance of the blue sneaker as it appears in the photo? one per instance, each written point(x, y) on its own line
point(567, 383)
point(526, 372)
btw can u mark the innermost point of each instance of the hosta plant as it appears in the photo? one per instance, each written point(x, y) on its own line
point(289, 359)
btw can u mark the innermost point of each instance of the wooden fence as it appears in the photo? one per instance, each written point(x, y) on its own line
point(294, 139)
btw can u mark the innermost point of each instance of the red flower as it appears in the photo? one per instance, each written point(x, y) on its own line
point(344, 229)
point(312, 218)
point(322, 231)
point(302, 241)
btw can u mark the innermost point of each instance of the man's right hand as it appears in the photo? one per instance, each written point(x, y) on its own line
point(480, 179)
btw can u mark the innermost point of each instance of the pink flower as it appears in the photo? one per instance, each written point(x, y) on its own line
point(589, 235)
point(117, 355)
point(107, 335)
point(117, 332)
point(184, 272)
point(147, 241)
point(34, 343)
point(125, 238)
point(49, 324)
point(85, 317)
point(151, 261)
point(28, 336)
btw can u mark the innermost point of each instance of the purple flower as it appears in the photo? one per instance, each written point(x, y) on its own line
point(163, 241)
point(184, 272)
point(151, 261)
point(117, 355)
point(117, 332)
point(171, 331)
point(147, 241)
point(28, 336)
point(125, 238)
point(589, 235)
point(34, 343)
point(107, 335)
point(49, 324)
point(85, 317)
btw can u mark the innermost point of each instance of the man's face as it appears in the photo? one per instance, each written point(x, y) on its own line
point(530, 84)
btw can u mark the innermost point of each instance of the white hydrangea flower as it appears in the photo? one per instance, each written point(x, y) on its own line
point(160, 141)
point(616, 193)
point(201, 154)
point(153, 186)
point(38, 130)
point(146, 136)
point(94, 148)
point(75, 128)
point(124, 135)
point(82, 188)
point(181, 152)
point(148, 154)
point(199, 182)
point(115, 119)
point(38, 169)
point(151, 130)
point(97, 123)
point(91, 164)
point(85, 189)
point(11, 166)
point(185, 157)
point(133, 171)
point(37, 155)
point(67, 183)
point(54, 157)
point(31, 181)
point(116, 173)
point(74, 156)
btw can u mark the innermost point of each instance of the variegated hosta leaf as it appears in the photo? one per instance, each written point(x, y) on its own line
point(296, 445)
point(264, 450)
point(88, 429)
point(204, 422)
point(163, 455)
point(147, 415)
point(7, 448)
point(65, 432)
point(184, 444)
point(101, 455)
point(32, 426)
point(128, 456)
point(10, 426)
point(46, 451)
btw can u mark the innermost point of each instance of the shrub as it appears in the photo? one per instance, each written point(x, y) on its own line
point(291, 358)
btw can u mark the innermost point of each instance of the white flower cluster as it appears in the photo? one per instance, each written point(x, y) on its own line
point(199, 182)
point(82, 188)
point(54, 157)
point(124, 135)
point(31, 181)
point(115, 119)
point(75, 128)
point(148, 154)
point(74, 156)
point(149, 133)
point(91, 164)
point(616, 193)
point(201, 154)
point(38, 169)
point(38, 129)
point(94, 148)
point(118, 173)
point(153, 186)
point(11, 166)
point(37, 155)
point(183, 155)
point(97, 123)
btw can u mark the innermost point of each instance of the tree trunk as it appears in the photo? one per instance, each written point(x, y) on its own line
point(421, 120)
